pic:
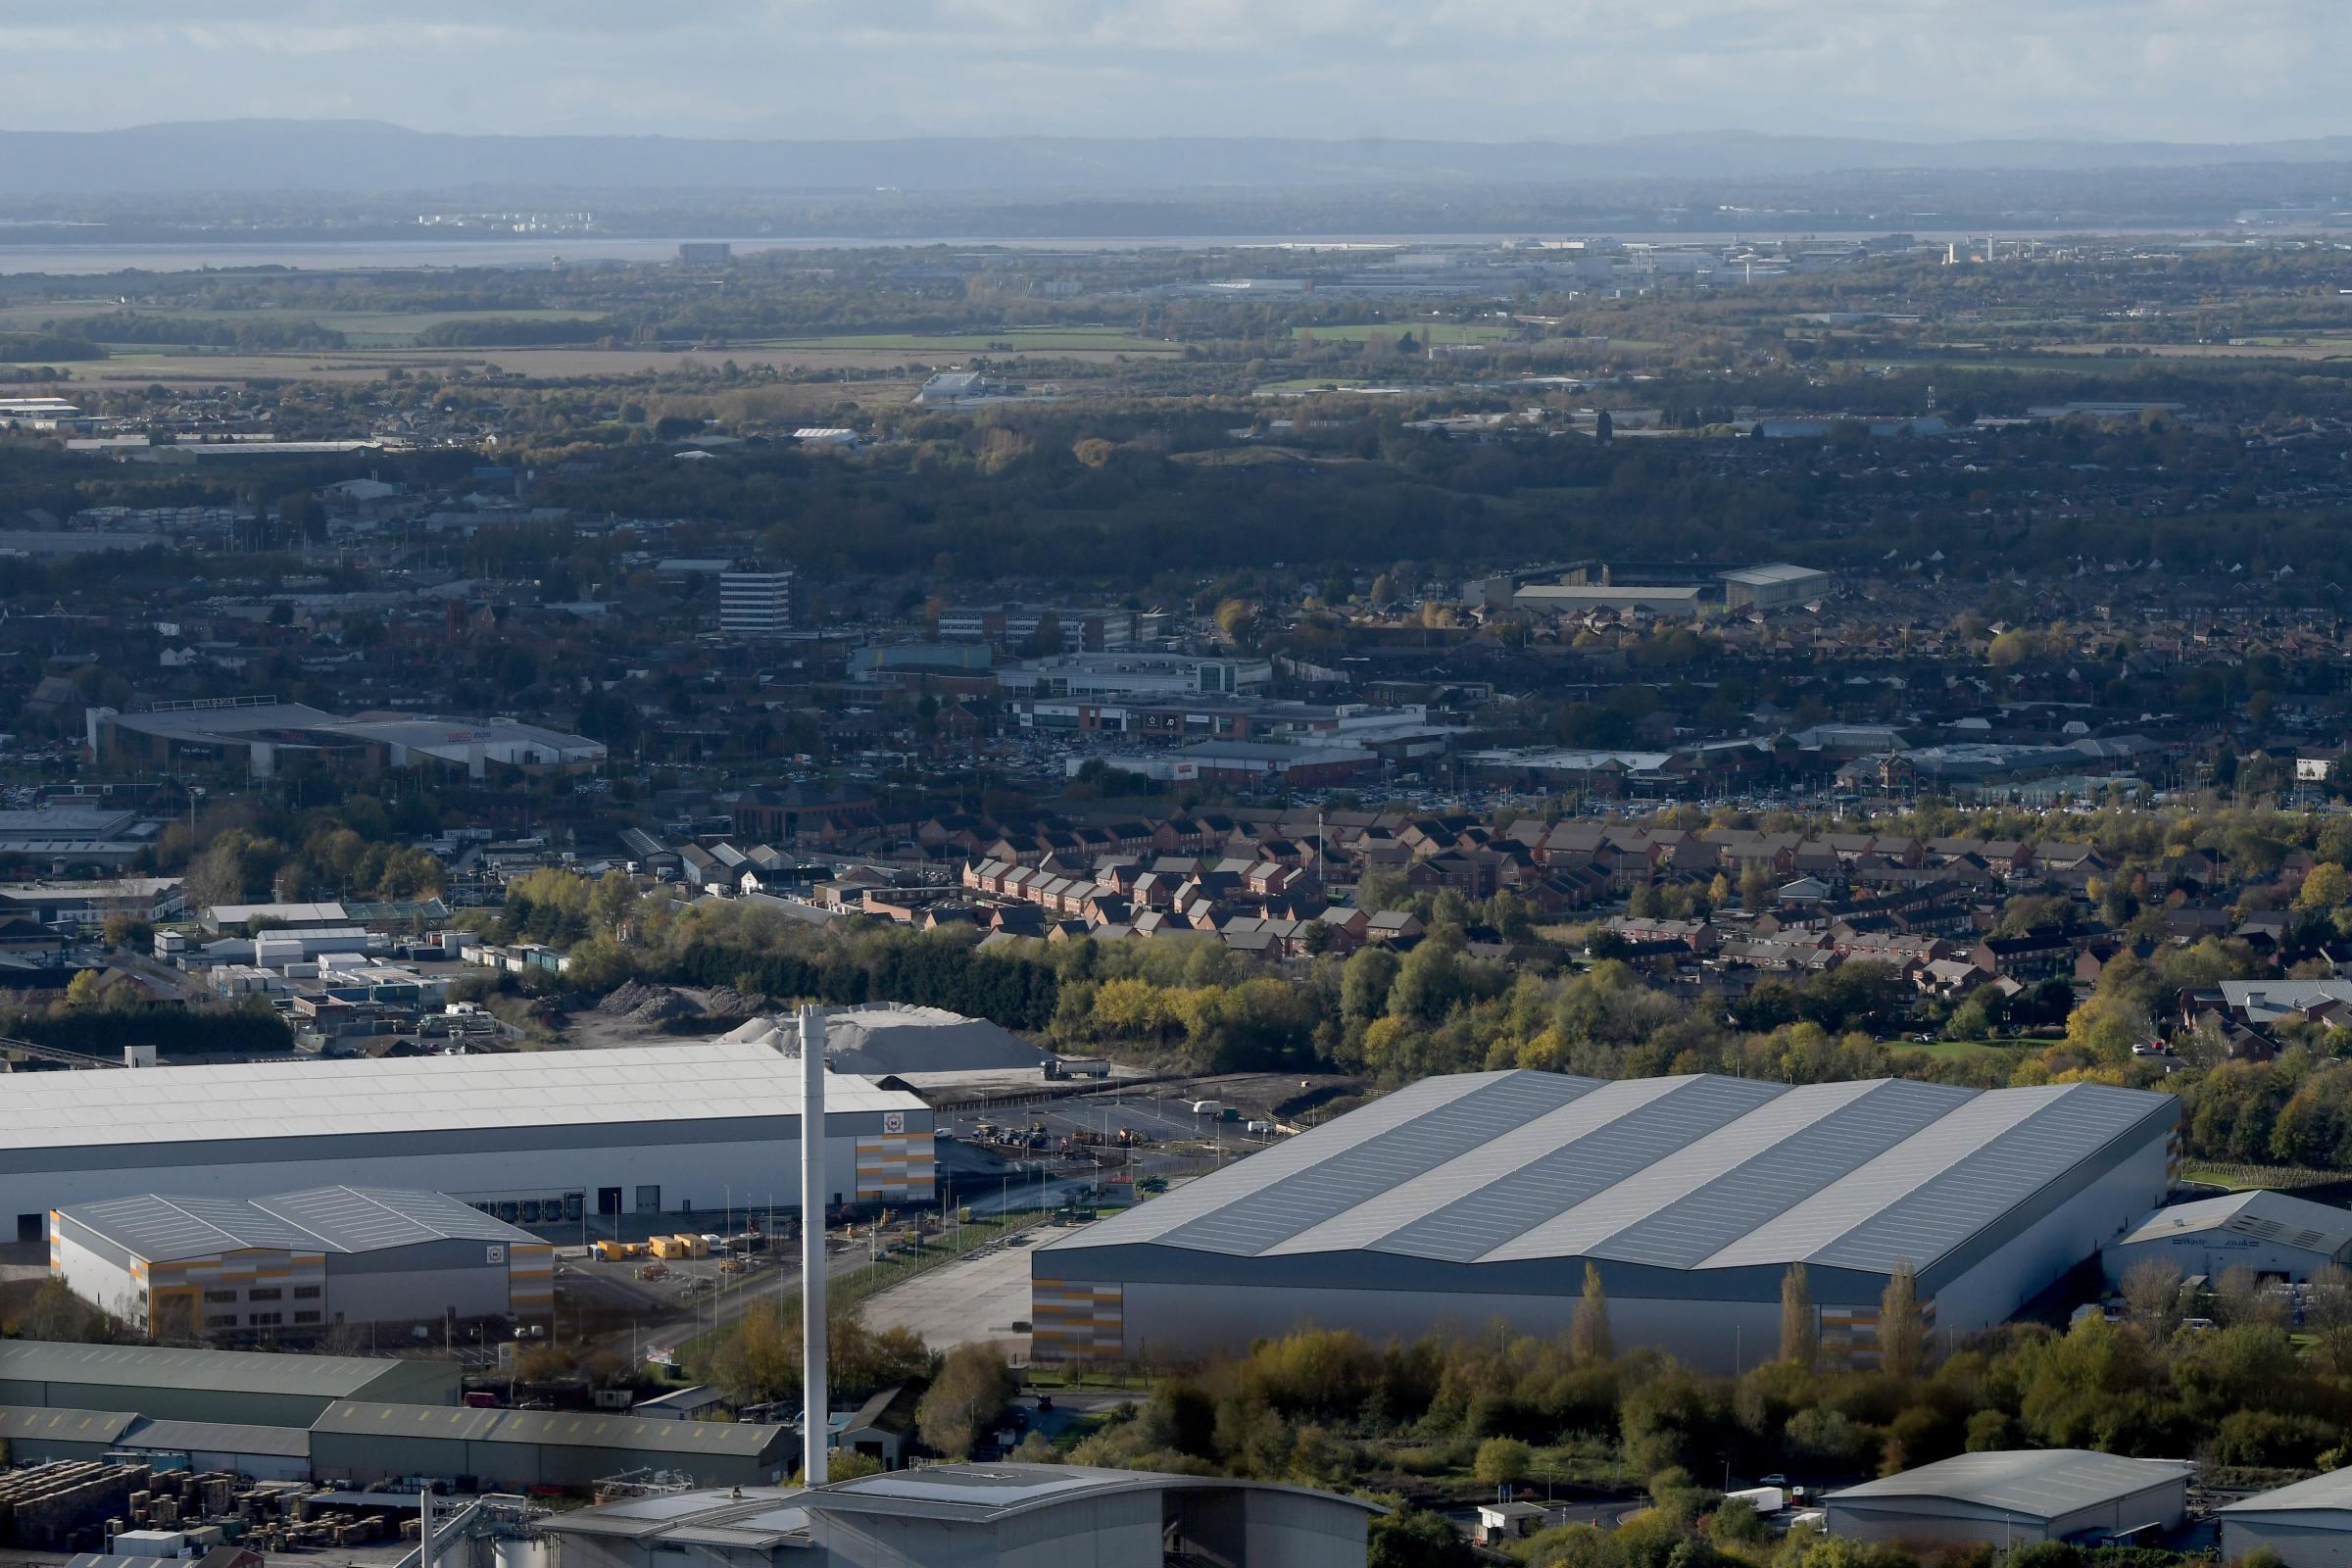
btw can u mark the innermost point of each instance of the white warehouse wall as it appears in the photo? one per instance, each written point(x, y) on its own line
point(97, 1280)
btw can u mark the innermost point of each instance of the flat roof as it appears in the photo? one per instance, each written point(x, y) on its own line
point(1777, 571)
point(2264, 1215)
point(143, 1366)
point(309, 1098)
point(2035, 1482)
point(561, 1429)
point(1695, 1172)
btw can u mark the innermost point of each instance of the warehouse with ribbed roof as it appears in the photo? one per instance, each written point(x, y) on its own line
point(1483, 1196)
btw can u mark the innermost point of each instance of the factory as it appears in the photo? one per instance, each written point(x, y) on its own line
point(2014, 1497)
point(1466, 1199)
point(2276, 1234)
point(2308, 1524)
point(257, 737)
point(641, 1130)
point(217, 1386)
point(295, 1265)
point(513, 1450)
point(977, 1516)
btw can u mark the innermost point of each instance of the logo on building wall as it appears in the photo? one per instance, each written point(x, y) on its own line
point(495, 1253)
point(894, 1121)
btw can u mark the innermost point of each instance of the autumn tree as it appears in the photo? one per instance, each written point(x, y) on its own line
point(1589, 1335)
point(1902, 1331)
point(1800, 1324)
point(969, 1392)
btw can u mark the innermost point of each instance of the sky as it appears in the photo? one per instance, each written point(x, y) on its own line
point(1471, 69)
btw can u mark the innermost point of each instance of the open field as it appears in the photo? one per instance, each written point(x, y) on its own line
point(138, 367)
point(1046, 340)
point(1431, 331)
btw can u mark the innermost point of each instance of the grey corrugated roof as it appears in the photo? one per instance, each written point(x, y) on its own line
point(1747, 1196)
point(561, 1429)
point(323, 1219)
point(1331, 1186)
point(1688, 1172)
point(359, 1219)
point(2330, 1493)
point(163, 1229)
point(1490, 1220)
point(1938, 1214)
point(134, 1366)
point(2270, 1217)
point(218, 1437)
point(24, 1423)
point(2032, 1482)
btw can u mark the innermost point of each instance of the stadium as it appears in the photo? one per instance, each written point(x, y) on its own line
point(1462, 1199)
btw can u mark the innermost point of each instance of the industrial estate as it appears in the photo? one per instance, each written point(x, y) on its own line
point(1226, 852)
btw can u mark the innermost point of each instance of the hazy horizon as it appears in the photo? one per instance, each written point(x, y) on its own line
point(1499, 71)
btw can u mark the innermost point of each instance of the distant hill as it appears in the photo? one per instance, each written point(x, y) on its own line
point(356, 155)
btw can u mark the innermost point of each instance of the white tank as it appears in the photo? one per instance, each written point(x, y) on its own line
point(519, 1552)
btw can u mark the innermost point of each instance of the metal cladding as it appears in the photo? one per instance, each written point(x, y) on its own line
point(1495, 1172)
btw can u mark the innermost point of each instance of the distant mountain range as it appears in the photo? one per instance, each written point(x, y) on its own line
point(360, 156)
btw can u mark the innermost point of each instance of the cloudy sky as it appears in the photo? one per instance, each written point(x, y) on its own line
point(1476, 69)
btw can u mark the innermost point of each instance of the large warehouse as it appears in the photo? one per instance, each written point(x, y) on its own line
point(2308, 1524)
point(1466, 1199)
point(637, 1130)
point(2274, 1234)
point(217, 1385)
point(2015, 1497)
point(294, 1266)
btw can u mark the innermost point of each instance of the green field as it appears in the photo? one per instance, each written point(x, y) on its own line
point(1423, 332)
point(1011, 340)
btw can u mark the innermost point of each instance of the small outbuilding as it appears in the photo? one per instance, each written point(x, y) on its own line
point(2309, 1524)
point(2274, 1234)
point(2014, 1496)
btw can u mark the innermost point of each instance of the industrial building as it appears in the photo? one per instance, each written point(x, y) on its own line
point(2013, 1498)
point(510, 1451)
point(1460, 1199)
point(977, 1516)
point(643, 1130)
point(1680, 590)
point(2308, 1524)
point(2274, 1234)
point(257, 736)
point(214, 1386)
point(264, 1453)
point(296, 1264)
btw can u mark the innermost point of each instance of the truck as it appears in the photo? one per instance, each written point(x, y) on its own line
point(1207, 1107)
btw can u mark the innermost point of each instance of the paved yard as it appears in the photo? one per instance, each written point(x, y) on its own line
point(980, 1298)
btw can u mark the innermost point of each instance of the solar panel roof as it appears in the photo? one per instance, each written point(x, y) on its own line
point(1690, 1172)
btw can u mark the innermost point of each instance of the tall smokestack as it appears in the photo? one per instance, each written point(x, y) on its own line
point(815, 1412)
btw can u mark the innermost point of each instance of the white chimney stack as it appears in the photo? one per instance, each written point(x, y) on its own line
point(815, 1409)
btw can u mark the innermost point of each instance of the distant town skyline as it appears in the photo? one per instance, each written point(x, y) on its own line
point(1572, 70)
